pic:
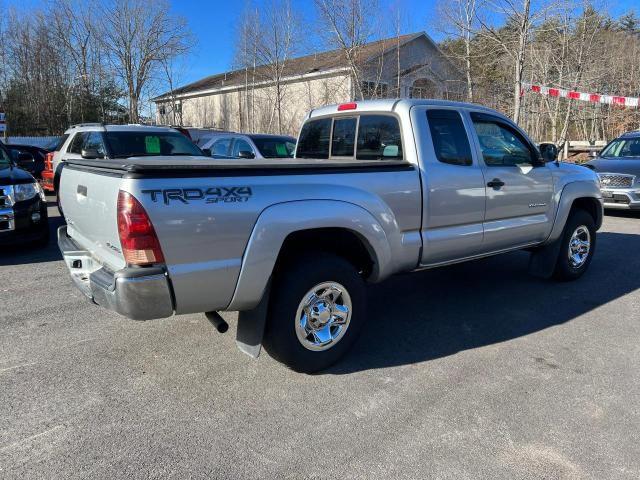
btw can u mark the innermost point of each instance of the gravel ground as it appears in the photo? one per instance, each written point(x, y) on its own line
point(473, 371)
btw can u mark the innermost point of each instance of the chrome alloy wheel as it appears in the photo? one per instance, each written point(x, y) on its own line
point(579, 246)
point(323, 316)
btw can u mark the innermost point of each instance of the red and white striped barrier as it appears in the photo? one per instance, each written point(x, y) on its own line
point(584, 97)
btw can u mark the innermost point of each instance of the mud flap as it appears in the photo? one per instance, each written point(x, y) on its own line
point(542, 262)
point(251, 324)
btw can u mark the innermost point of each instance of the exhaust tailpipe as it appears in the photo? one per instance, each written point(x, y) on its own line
point(217, 321)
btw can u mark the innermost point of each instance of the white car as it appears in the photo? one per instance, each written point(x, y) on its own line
point(237, 145)
point(92, 138)
point(95, 141)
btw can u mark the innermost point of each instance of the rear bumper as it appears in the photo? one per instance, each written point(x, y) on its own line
point(136, 293)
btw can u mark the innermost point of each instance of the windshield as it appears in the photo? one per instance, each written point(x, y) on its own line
point(622, 147)
point(141, 144)
point(275, 147)
point(56, 143)
point(5, 160)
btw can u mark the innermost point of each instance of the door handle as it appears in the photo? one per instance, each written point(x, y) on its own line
point(495, 183)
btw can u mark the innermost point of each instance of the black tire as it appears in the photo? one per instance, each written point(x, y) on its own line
point(58, 203)
point(43, 241)
point(565, 270)
point(290, 285)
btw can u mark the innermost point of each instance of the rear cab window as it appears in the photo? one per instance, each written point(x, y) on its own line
point(363, 137)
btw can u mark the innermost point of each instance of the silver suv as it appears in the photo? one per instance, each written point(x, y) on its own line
point(618, 166)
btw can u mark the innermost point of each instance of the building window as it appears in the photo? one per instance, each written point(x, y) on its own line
point(162, 110)
point(423, 88)
point(374, 90)
point(177, 108)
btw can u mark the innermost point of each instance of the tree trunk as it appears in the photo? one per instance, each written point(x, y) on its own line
point(520, 58)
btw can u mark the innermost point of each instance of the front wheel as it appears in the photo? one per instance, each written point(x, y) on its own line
point(578, 244)
point(316, 311)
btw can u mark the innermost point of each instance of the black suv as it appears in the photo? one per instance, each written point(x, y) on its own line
point(23, 206)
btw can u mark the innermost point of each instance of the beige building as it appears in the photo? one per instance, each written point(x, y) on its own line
point(246, 100)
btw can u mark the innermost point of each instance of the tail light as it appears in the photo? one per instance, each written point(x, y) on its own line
point(48, 161)
point(138, 238)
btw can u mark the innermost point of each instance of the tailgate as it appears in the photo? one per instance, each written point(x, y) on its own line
point(89, 203)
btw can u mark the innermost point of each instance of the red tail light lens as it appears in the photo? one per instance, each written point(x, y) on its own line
point(48, 161)
point(138, 238)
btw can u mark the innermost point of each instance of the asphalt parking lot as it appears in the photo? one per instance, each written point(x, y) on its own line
point(473, 371)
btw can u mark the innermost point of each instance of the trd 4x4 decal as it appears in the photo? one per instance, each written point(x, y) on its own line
point(209, 195)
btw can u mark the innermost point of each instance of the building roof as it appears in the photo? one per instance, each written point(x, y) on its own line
point(315, 63)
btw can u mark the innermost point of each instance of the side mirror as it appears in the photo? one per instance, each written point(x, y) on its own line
point(549, 152)
point(91, 154)
point(246, 154)
point(206, 151)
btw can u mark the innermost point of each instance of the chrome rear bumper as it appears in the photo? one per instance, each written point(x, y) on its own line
point(136, 293)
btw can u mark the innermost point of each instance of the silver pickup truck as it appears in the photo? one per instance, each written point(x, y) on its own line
point(376, 188)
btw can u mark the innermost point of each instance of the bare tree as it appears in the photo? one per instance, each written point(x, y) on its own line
point(350, 25)
point(139, 35)
point(246, 59)
point(268, 38)
point(513, 39)
point(459, 22)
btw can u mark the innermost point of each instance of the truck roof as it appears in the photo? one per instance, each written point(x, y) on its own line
point(92, 127)
point(393, 105)
point(632, 134)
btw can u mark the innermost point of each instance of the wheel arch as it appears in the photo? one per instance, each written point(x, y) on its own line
point(592, 206)
point(580, 194)
point(301, 226)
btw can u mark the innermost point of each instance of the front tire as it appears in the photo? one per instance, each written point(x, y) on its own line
point(316, 312)
point(578, 244)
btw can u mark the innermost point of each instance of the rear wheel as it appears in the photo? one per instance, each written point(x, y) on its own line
point(316, 311)
point(578, 243)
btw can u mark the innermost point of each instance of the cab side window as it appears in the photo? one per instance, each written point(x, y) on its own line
point(220, 148)
point(501, 144)
point(449, 137)
point(77, 143)
point(241, 145)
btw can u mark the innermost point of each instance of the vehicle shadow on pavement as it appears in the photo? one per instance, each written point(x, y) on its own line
point(432, 314)
point(24, 254)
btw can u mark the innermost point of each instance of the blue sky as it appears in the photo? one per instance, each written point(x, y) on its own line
point(214, 23)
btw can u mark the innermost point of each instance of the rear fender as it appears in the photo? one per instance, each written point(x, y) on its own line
point(278, 221)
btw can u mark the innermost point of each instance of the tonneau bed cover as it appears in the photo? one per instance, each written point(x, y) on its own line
point(168, 166)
